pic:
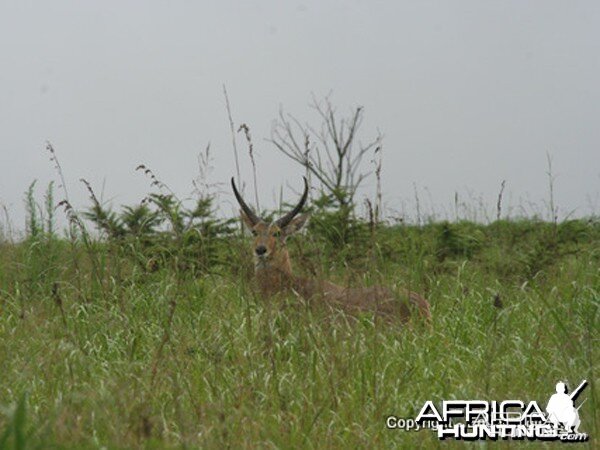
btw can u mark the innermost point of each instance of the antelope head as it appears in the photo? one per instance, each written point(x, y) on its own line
point(269, 238)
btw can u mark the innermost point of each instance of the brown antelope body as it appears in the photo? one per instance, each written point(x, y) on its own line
point(274, 270)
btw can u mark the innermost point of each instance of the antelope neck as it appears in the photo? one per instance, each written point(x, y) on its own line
point(275, 274)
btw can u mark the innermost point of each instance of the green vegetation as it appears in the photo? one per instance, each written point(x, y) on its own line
point(149, 333)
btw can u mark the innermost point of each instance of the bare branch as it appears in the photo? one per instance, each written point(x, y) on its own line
point(335, 157)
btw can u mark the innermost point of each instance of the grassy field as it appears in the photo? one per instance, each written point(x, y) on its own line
point(159, 340)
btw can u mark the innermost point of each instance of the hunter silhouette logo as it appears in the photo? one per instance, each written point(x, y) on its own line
point(508, 419)
point(561, 408)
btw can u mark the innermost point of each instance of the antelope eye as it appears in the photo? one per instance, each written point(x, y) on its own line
point(254, 233)
point(277, 233)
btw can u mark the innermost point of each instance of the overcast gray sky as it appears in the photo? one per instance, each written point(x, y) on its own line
point(467, 93)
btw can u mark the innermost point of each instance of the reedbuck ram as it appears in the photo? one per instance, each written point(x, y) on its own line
point(274, 271)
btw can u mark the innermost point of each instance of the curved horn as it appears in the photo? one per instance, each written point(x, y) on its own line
point(285, 220)
point(247, 210)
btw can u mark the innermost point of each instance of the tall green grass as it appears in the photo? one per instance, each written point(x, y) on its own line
point(150, 338)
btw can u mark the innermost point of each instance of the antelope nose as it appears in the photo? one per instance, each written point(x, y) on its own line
point(261, 250)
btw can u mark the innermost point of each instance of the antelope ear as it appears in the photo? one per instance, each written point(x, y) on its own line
point(296, 224)
point(247, 221)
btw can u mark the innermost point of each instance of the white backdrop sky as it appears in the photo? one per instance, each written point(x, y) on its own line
point(467, 93)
